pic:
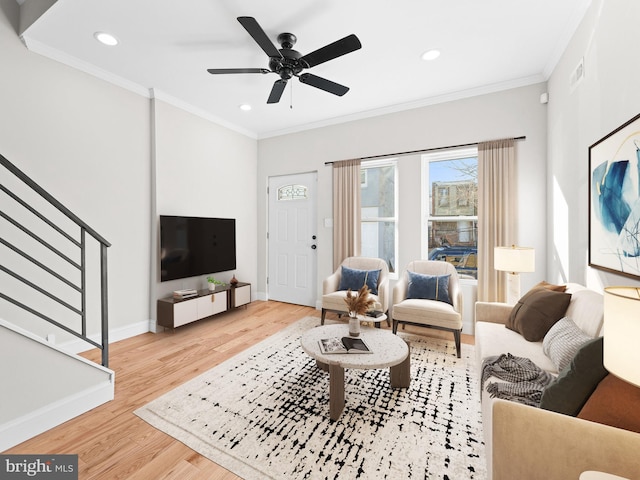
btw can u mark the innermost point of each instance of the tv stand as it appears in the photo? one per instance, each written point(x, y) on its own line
point(174, 313)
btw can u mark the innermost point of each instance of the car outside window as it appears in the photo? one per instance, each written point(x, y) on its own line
point(450, 200)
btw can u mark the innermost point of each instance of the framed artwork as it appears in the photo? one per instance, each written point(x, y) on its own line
point(614, 201)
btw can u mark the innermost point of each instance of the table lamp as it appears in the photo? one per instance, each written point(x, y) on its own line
point(514, 260)
point(621, 330)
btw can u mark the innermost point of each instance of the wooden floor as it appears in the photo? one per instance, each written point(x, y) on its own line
point(113, 443)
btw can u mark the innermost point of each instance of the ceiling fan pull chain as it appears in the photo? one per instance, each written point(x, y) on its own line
point(291, 96)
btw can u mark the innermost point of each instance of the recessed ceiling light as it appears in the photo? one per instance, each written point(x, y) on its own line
point(431, 54)
point(246, 107)
point(106, 38)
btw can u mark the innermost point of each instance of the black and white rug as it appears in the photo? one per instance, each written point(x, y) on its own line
point(264, 414)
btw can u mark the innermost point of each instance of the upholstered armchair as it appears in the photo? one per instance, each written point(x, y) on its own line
point(352, 273)
point(428, 295)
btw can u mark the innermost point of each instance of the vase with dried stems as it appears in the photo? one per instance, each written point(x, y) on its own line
point(358, 304)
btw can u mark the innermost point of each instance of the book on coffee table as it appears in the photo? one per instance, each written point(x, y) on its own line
point(343, 345)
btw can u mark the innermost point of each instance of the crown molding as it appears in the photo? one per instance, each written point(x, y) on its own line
point(73, 62)
point(178, 103)
point(54, 54)
point(563, 42)
point(425, 102)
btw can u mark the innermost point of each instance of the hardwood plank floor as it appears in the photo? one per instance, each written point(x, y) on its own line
point(113, 443)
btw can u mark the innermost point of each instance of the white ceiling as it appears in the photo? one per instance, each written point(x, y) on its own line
point(167, 45)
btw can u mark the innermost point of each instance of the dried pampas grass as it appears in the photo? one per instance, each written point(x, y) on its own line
point(361, 302)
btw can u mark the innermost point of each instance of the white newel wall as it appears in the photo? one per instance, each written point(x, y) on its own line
point(202, 169)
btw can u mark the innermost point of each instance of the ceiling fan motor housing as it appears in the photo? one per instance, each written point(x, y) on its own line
point(287, 40)
point(287, 66)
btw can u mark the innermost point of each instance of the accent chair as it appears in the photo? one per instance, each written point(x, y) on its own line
point(428, 295)
point(352, 273)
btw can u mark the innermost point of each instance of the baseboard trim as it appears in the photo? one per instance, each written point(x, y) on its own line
point(468, 328)
point(34, 423)
point(115, 335)
point(262, 296)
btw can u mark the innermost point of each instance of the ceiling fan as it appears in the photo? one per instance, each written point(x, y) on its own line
point(288, 63)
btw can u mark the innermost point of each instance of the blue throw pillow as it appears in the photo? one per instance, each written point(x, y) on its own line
point(429, 287)
point(354, 279)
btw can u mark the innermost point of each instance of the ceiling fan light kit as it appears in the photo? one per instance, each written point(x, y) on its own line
point(289, 63)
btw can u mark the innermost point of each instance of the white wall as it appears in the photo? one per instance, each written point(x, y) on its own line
point(46, 390)
point(509, 113)
point(118, 159)
point(609, 41)
point(203, 169)
point(87, 143)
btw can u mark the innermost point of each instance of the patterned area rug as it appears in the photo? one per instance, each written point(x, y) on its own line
point(264, 414)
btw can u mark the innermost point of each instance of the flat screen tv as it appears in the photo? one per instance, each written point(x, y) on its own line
point(192, 246)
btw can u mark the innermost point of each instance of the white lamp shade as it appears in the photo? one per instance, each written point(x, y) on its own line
point(514, 259)
point(621, 333)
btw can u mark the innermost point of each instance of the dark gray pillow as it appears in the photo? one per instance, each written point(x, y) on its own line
point(536, 312)
point(572, 388)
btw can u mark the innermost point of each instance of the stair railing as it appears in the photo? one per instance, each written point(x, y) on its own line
point(80, 265)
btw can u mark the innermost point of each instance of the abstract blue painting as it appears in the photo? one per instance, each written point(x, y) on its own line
point(614, 211)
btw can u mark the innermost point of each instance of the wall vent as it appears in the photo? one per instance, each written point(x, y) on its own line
point(577, 75)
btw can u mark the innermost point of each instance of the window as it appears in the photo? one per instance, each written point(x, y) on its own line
point(292, 192)
point(363, 178)
point(450, 198)
point(378, 202)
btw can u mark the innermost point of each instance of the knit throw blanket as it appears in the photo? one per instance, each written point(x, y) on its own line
point(523, 382)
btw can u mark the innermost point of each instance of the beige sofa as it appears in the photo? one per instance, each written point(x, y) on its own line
point(531, 443)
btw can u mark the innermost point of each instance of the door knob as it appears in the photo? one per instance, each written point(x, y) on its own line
point(313, 247)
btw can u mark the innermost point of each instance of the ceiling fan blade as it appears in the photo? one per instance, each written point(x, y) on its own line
point(257, 33)
point(323, 84)
point(217, 71)
point(276, 91)
point(336, 49)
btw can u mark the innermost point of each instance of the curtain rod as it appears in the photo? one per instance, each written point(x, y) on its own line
point(411, 152)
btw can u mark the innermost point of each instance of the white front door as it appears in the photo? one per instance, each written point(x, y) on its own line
point(292, 238)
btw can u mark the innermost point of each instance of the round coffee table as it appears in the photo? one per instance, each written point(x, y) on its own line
point(388, 351)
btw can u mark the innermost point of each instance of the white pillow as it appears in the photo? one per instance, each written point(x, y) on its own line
point(562, 341)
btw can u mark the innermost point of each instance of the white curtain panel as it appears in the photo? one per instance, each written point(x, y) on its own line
point(497, 204)
point(346, 210)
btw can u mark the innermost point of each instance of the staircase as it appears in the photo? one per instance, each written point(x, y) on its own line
point(53, 285)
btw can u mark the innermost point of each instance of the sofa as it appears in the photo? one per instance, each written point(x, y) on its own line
point(529, 442)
